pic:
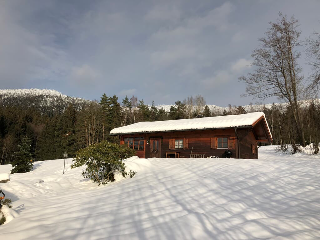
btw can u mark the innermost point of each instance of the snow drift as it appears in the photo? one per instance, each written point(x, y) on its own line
point(277, 196)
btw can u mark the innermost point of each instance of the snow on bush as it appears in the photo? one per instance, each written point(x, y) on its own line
point(292, 149)
point(103, 161)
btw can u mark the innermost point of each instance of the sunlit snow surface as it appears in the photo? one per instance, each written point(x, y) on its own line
point(277, 196)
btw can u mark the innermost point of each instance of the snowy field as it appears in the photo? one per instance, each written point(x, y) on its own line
point(277, 196)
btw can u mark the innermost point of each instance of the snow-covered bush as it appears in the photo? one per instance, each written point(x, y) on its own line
point(295, 148)
point(103, 160)
point(6, 202)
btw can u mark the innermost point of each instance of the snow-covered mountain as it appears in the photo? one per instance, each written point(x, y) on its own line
point(43, 99)
point(248, 108)
point(52, 99)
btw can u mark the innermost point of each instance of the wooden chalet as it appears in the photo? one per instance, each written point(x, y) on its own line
point(235, 136)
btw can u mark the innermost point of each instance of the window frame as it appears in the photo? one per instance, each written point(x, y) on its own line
point(223, 143)
point(135, 143)
point(180, 144)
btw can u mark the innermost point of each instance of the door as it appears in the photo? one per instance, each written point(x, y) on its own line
point(155, 147)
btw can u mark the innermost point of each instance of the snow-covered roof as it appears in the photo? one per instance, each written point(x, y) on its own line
point(229, 121)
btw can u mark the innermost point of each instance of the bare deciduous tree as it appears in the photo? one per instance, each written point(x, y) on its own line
point(200, 103)
point(189, 102)
point(313, 52)
point(194, 105)
point(277, 72)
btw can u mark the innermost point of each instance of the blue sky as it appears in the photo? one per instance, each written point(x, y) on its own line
point(156, 50)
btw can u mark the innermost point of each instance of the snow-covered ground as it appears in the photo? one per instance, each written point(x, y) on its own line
point(277, 196)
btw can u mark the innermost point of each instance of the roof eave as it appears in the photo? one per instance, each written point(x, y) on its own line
point(180, 130)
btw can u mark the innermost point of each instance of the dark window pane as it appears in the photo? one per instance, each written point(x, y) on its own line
point(141, 145)
point(136, 145)
point(130, 142)
point(225, 143)
point(178, 143)
point(126, 141)
point(222, 142)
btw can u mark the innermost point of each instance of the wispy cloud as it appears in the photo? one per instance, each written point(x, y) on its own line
point(241, 64)
point(157, 50)
point(26, 55)
point(85, 76)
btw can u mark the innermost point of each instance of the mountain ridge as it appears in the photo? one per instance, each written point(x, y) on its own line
point(46, 98)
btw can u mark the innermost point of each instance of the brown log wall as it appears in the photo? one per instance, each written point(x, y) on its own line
point(200, 142)
point(247, 144)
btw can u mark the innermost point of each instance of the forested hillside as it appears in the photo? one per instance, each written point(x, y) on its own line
point(58, 124)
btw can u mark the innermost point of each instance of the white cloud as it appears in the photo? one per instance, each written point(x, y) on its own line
point(241, 64)
point(192, 26)
point(27, 55)
point(84, 75)
point(108, 45)
point(186, 47)
point(218, 17)
point(172, 55)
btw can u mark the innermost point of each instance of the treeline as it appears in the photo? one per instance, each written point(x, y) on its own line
point(283, 127)
point(67, 129)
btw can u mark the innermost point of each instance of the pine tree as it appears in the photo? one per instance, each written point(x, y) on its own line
point(162, 115)
point(111, 110)
point(127, 103)
point(206, 111)
point(143, 112)
point(178, 111)
point(68, 138)
point(23, 158)
point(127, 115)
point(153, 112)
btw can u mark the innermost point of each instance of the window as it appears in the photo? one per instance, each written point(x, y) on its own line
point(135, 143)
point(141, 145)
point(128, 142)
point(155, 145)
point(223, 143)
point(178, 143)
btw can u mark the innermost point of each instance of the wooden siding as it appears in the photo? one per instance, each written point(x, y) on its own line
point(242, 142)
point(247, 143)
point(202, 142)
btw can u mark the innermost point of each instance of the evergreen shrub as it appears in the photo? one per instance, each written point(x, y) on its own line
point(7, 202)
point(103, 160)
point(22, 162)
point(2, 218)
